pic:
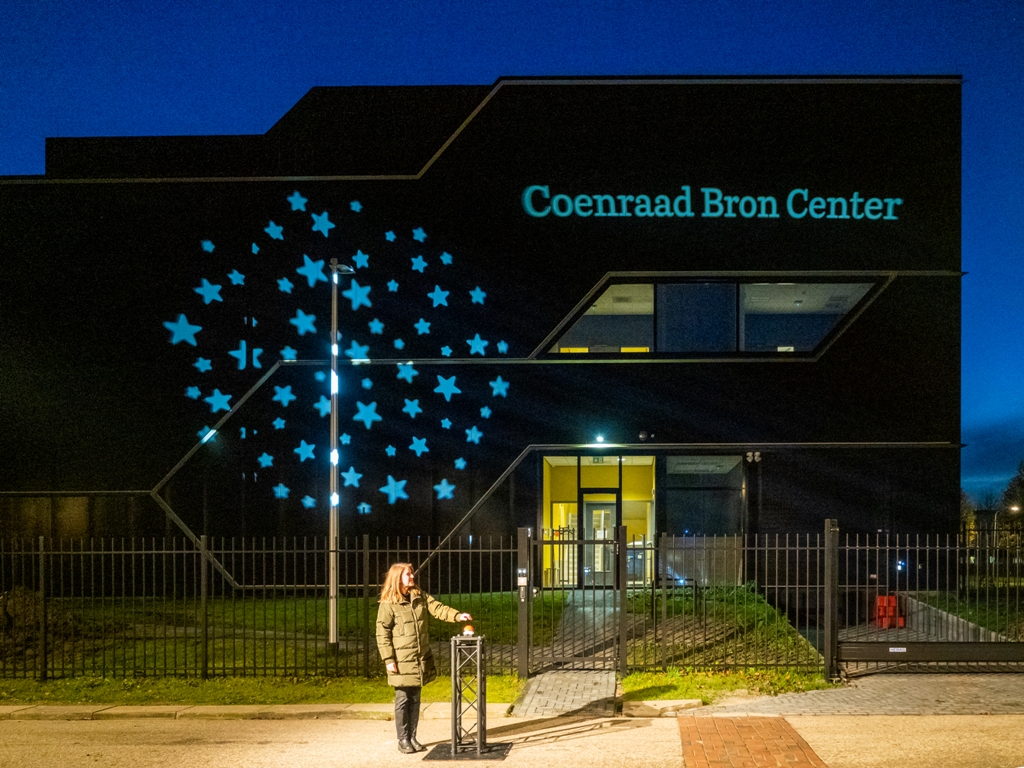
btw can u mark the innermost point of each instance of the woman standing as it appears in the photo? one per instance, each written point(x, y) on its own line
point(404, 645)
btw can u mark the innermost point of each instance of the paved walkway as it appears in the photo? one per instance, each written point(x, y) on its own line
point(565, 692)
point(744, 741)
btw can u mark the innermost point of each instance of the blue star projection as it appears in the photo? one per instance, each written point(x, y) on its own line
point(263, 295)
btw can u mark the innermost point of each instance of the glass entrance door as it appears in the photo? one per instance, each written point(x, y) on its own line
point(601, 512)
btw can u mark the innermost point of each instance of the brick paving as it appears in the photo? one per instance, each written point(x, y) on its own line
point(564, 692)
point(744, 742)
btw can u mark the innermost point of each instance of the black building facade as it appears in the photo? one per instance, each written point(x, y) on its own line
point(704, 306)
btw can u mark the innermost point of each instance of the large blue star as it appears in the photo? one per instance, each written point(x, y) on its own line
point(281, 491)
point(303, 322)
point(477, 295)
point(439, 297)
point(367, 413)
point(360, 259)
point(358, 351)
point(283, 395)
point(407, 372)
point(477, 345)
point(266, 460)
point(305, 451)
point(323, 405)
point(376, 326)
point(444, 489)
point(351, 477)
point(395, 489)
point(419, 446)
point(202, 364)
point(236, 277)
point(209, 291)
point(313, 271)
point(419, 235)
point(322, 223)
point(359, 294)
point(218, 401)
point(473, 435)
point(418, 264)
point(298, 201)
point(447, 387)
point(182, 331)
point(285, 285)
point(274, 230)
point(499, 387)
point(421, 327)
point(412, 407)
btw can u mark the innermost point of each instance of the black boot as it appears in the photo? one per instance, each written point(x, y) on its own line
point(414, 721)
point(406, 748)
point(416, 745)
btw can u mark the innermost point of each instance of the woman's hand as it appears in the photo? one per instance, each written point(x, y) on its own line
point(463, 617)
point(392, 668)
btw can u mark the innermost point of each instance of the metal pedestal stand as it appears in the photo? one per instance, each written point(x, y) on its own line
point(469, 704)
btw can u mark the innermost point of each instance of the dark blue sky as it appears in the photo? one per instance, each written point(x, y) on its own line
point(102, 68)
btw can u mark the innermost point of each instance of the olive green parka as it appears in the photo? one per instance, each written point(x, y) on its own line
point(402, 637)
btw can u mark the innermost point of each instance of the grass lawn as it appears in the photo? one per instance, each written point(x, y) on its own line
point(710, 686)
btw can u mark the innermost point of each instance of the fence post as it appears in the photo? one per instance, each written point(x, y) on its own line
point(831, 610)
point(42, 664)
point(623, 574)
point(369, 624)
point(204, 646)
point(661, 575)
point(523, 585)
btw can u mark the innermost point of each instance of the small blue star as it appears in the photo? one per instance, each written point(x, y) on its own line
point(390, 450)
point(281, 491)
point(308, 502)
point(419, 446)
point(360, 295)
point(446, 258)
point(285, 285)
point(288, 353)
point(392, 286)
point(351, 477)
point(274, 230)
point(346, 438)
point(193, 393)
point(182, 331)
point(399, 344)
point(446, 351)
point(502, 347)
point(207, 246)
point(446, 423)
point(419, 235)
point(236, 277)
point(303, 322)
point(313, 271)
point(389, 236)
point(206, 434)
point(305, 451)
point(439, 297)
point(477, 295)
point(499, 387)
point(376, 326)
point(367, 383)
point(407, 372)
point(447, 387)
point(356, 206)
point(422, 327)
point(298, 201)
point(202, 364)
point(255, 249)
point(460, 463)
point(473, 435)
point(266, 460)
point(218, 401)
point(323, 405)
point(361, 260)
point(358, 351)
point(485, 412)
point(322, 224)
point(364, 508)
point(283, 395)
point(209, 291)
point(367, 413)
point(444, 489)
point(279, 423)
point(412, 407)
point(418, 264)
point(476, 345)
point(320, 376)
point(395, 489)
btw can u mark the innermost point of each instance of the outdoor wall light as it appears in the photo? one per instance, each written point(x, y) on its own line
point(600, 438)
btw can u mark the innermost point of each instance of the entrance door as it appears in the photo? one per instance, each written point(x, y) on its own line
point(600, 511)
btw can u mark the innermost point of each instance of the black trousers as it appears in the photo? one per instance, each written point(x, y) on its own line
point(407, 711)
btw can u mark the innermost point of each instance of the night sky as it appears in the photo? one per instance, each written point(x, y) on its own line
point(101, 68)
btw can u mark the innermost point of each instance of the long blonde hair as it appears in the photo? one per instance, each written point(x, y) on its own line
point(391, 589)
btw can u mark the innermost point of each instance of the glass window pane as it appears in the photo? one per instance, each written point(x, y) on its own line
point(697, 317)
point(621, 320)
point(793, 317)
